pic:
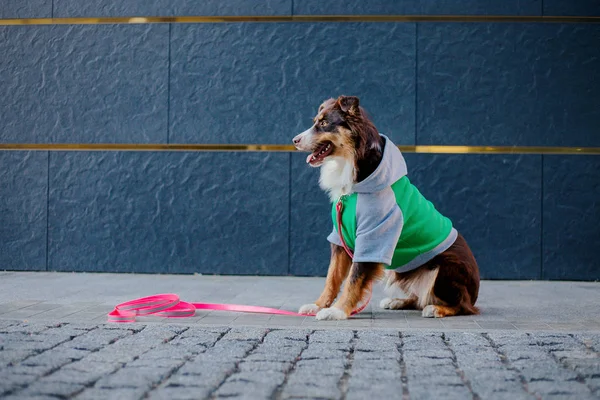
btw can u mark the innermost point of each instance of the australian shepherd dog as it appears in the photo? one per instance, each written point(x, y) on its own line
point(383, 228)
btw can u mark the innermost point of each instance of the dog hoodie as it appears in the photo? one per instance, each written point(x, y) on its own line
point(387, 220)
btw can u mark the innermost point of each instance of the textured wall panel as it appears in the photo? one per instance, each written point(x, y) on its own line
point(572, 7)
point(84, 83)
point(161, 8)
point(508, 84)
point(494, 201)
point(224, 213)
point(23, 210)
point(262, 83)
point(310, 220)
point(571, 224)
point(26, 9)
point(415, 7)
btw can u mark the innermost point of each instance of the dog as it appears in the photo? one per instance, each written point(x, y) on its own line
point(383, 226)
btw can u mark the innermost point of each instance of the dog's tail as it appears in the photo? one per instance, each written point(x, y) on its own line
point(469, 309)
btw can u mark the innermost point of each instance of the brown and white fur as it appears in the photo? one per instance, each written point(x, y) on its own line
point(348, 148)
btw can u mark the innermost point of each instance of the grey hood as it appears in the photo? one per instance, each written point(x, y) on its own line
point(391, 168)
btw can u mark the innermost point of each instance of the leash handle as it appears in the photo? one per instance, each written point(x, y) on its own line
point(338, 208)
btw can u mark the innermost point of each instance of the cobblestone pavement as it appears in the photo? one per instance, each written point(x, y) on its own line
point(161, 361)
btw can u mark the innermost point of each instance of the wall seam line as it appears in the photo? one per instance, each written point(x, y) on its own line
point(169, 87)
point(542, 219)
point(48, 211)
point(52, 10)
point(289, 266)
point(416, 81)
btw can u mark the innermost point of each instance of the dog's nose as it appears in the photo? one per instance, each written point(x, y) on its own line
point(297, 139)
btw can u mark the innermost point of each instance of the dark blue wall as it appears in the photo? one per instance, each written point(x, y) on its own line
point(526, 216)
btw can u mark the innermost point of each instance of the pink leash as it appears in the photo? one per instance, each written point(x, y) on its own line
point(170, 306)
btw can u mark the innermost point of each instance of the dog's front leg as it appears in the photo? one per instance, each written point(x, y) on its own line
point(361, 277)
point(339, 265)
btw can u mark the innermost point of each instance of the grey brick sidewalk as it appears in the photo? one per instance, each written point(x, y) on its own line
point(66, 297)
point(91, 361)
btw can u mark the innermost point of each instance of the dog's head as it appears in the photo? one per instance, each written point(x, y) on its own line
point(333, 132)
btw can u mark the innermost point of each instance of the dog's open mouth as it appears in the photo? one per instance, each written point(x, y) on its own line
point(320, 153)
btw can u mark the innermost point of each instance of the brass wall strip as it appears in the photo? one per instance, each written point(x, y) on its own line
point(298, 18)
point(290, 148)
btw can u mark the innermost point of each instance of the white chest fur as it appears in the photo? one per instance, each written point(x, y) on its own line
point(337, 177)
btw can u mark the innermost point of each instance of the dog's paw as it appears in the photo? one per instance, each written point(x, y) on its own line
point(311, 309)
point(331, 314)
point(385, 303)
point(430, 312)
point(393, 304)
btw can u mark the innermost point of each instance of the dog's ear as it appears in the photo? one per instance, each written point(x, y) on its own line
point(348, 104)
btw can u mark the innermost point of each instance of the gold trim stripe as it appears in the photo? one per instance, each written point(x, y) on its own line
point(290, 148)
point(298, 18)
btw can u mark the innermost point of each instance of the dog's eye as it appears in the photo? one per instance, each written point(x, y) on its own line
point(324, 123)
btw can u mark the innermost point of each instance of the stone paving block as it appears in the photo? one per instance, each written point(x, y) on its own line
point(558, 388)
point(88, 366)
point(134, 377)
point(516, 394)
point(245, 334)
point(592, 341)
point(586, 368)
point(331, 337)
point(32, 397)
point(376, 346)
point(31, 345)
point(29, 328)
point(204, 371)
point(59, 389)
point(191, 343)
point(376, 355)
point(245, 390)
point(261, 355)
point(594, 383)
point(111, 393)
point(181, 393)
point(435, 391)
point(56, 357)
point(37, 370)
point(232, 351)
point(158, 362)
point(389, 390)
point(73, 376)
point(491, 373)
point(308, 390)
point(467, 339)
point(246, 383)
point(10, 381)
point(10, 357)
point(288, 334)
point(117, 354)
point(574, 355)
point(324, 354)
point(494, 383)
point(536, 371)
point(210, 378)
point(319, 365)
point(256, 366)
